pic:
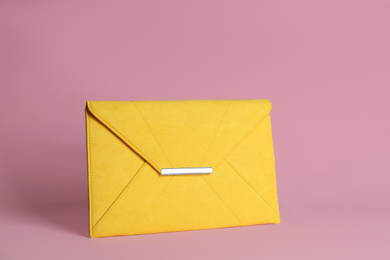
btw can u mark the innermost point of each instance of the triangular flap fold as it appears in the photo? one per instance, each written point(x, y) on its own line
point(175, 134)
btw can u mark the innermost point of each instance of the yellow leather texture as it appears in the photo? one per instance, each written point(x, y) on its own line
point(128, 142)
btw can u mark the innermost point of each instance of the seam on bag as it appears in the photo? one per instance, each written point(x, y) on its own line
point(89, 174)
point(150, 130)
point(258, 194)
point(130, 144)
point(140, 222)
point(216, 131)
point(227, 206)
point(219, 162)
point(123, 192)
point(165, 187)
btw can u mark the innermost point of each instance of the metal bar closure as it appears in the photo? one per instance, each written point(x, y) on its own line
point(186, 171)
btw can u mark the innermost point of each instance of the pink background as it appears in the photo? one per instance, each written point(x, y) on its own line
point(325, 65)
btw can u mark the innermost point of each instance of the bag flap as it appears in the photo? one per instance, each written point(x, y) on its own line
point(178, 134)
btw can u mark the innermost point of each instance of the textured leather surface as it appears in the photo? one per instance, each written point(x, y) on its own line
point(128, 142)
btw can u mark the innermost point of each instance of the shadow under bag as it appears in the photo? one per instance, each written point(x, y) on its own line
point(162, 166)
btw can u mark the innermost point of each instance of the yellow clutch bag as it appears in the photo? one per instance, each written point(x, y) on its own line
point(161, 166)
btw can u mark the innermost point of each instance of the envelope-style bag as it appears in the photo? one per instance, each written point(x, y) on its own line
point(161, 166)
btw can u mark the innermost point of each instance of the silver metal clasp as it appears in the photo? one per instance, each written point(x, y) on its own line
point(186, 171)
